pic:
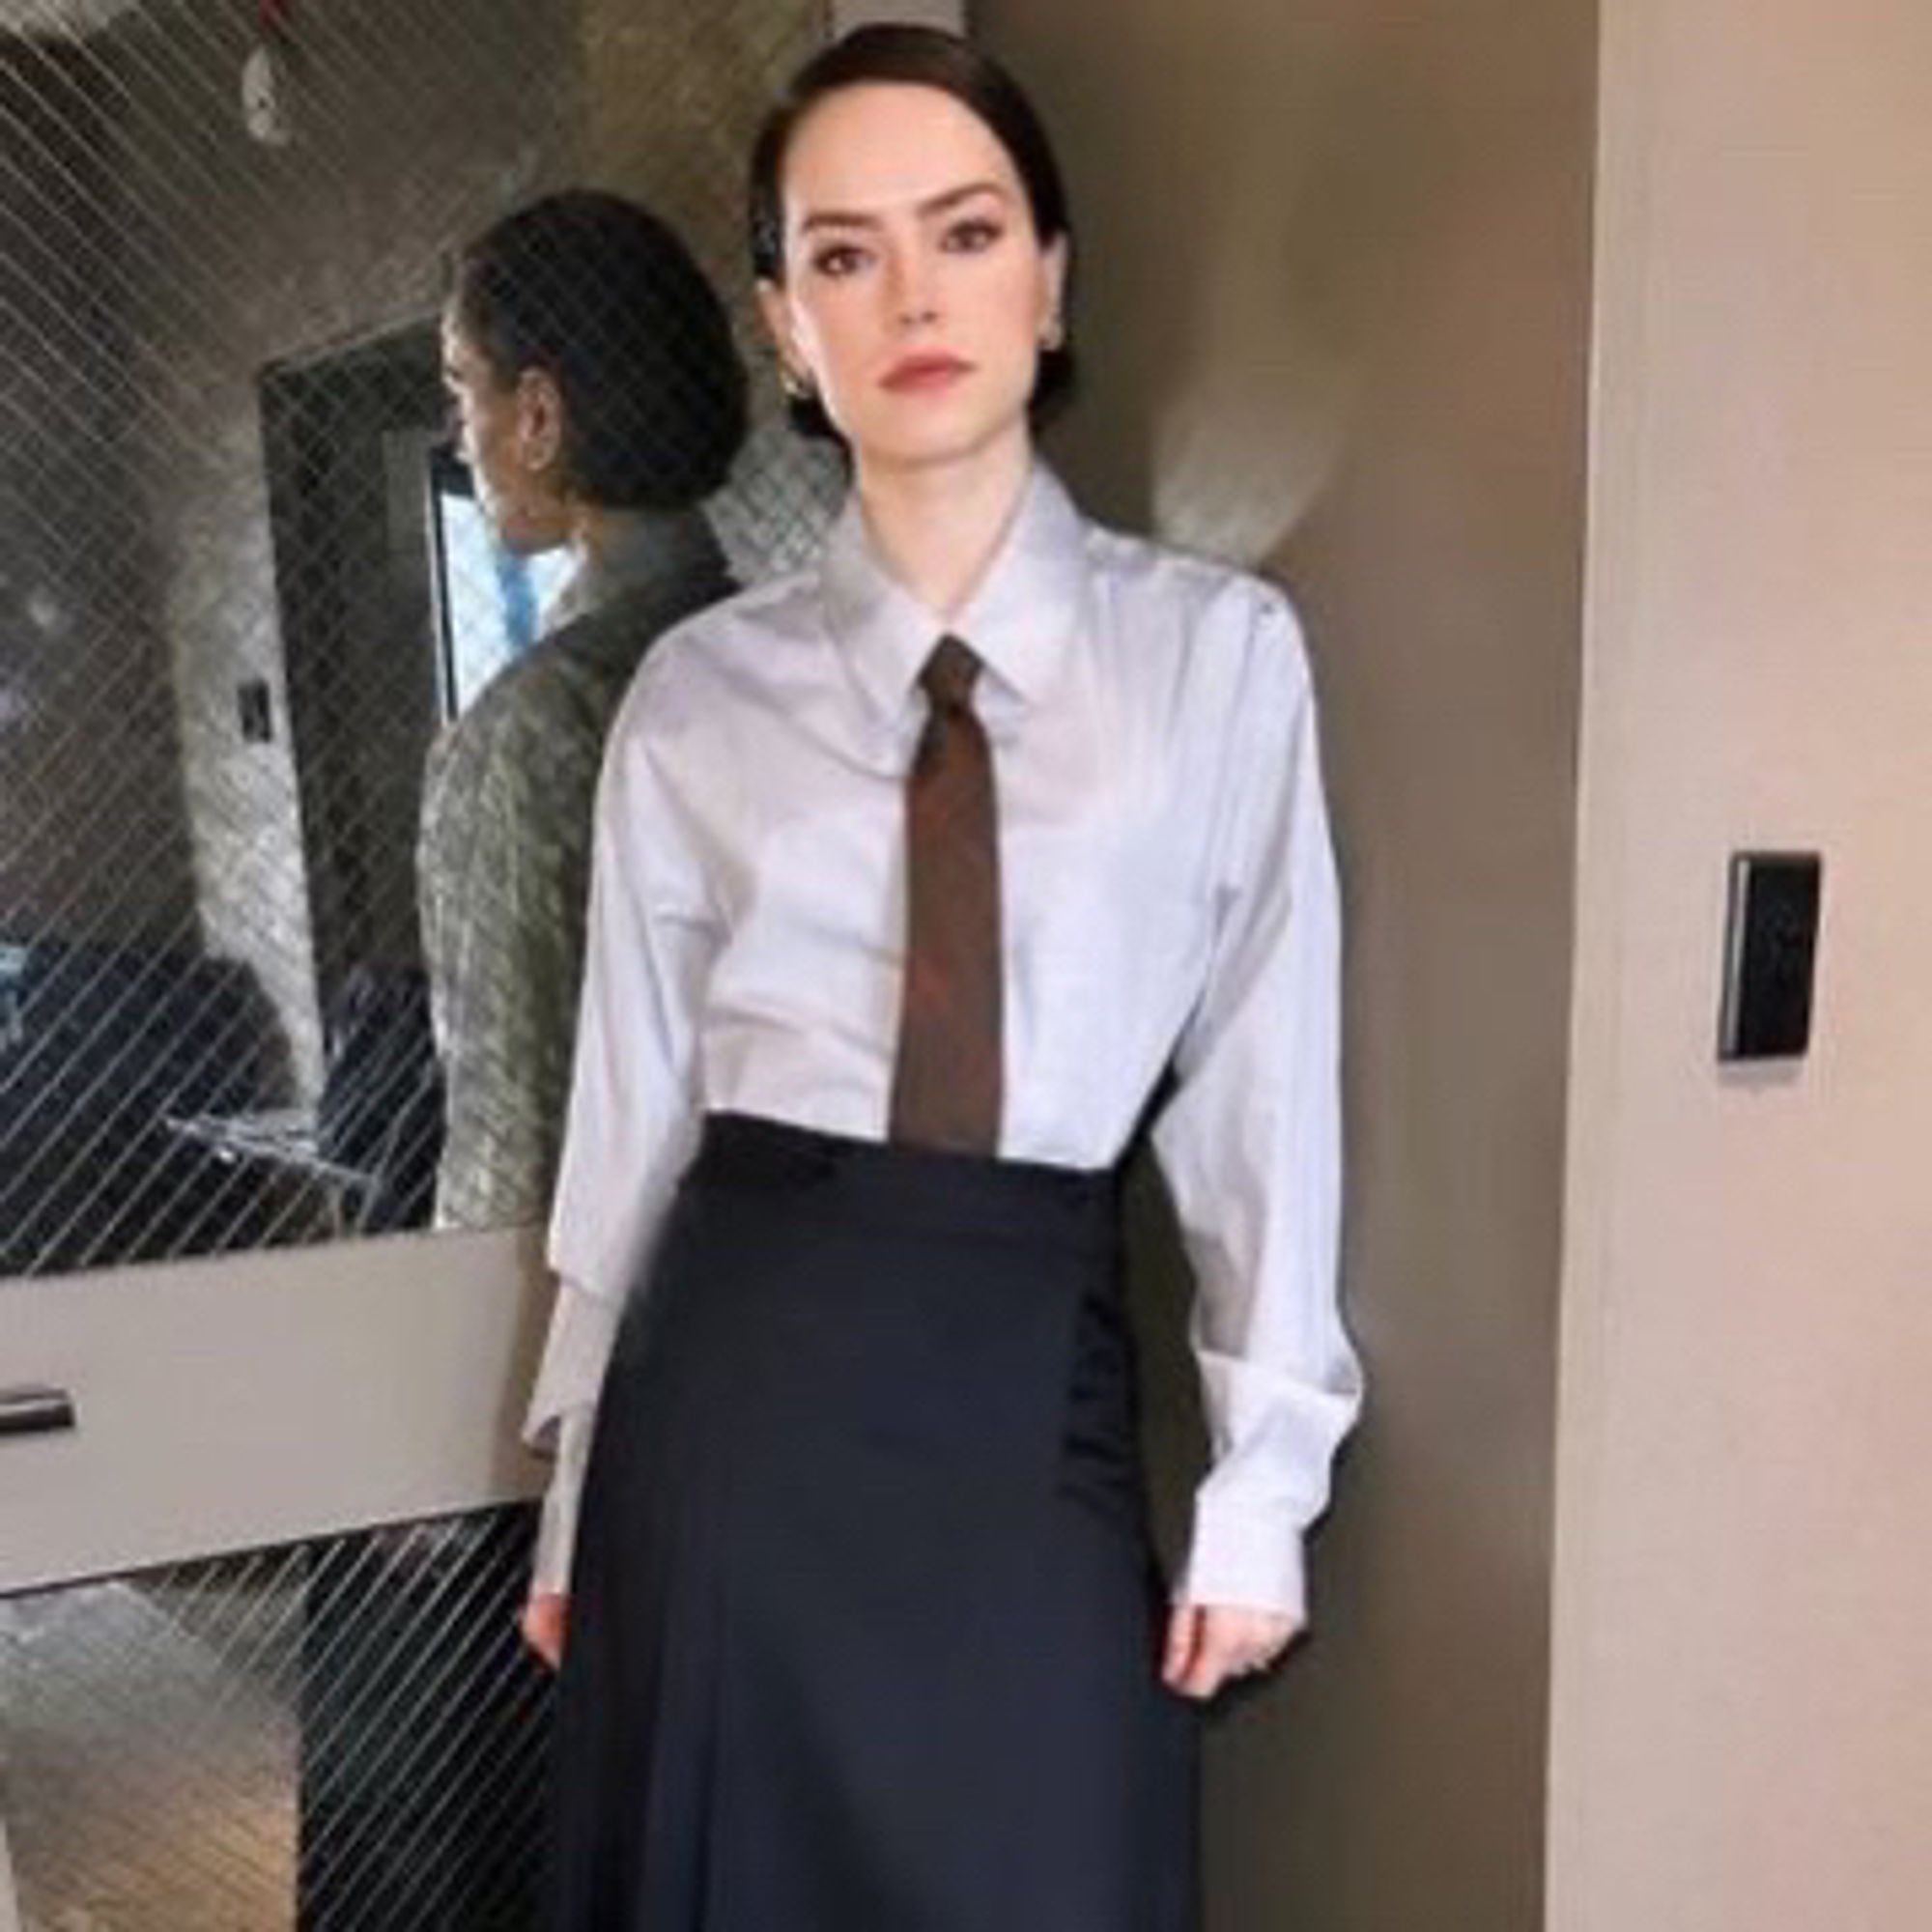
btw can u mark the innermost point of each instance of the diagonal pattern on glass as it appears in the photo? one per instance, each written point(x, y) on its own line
point(241, 590)
point(343, 1732)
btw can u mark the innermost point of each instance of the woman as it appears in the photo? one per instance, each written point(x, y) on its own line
point(915, 872)
point(599, 399)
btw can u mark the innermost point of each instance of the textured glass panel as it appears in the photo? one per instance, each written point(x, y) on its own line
point(341, 1733)
point(244, 584)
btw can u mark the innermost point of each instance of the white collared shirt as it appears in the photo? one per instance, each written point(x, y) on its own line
point(1168, 897)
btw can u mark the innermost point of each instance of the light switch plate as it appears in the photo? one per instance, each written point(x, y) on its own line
point(1771, 949)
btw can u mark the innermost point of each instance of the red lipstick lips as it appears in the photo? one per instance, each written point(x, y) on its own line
point(924, 372)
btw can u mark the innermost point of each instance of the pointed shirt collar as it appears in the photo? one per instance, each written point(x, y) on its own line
point(1021, 620)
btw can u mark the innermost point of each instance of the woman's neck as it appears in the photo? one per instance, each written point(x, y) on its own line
point(613, 544)
point(938, 527)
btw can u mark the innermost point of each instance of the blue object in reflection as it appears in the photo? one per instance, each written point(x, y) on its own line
point(490, 602)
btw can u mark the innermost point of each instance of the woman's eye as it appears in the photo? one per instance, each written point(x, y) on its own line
point(841, 258)
point(973, 234)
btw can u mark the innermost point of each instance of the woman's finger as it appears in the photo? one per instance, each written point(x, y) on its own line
point(1183, 1630)
point(1208, 1644)
point(543, 1624)
point(1211, 1660)
point(1229, 1642)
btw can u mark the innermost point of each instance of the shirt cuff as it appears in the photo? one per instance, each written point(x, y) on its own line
point(1237, 1560)
point(582, 1330)
point(556, 1527)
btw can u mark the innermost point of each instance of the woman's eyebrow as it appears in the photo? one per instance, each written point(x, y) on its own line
point(938, 204)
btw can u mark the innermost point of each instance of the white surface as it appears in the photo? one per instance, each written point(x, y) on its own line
point(254, 1399)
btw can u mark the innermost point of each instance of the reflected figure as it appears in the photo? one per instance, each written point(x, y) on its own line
point(600, 400)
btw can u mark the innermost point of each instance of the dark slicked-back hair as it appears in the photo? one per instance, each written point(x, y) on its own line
point(914, 57)
point(606, 299)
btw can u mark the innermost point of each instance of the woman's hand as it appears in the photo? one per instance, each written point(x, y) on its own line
point(543, 1622)
point(1208, 1644)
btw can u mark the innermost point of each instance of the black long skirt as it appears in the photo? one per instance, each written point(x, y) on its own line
point(866, 1622)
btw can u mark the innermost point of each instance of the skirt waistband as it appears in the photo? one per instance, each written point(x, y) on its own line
point(984, 1195)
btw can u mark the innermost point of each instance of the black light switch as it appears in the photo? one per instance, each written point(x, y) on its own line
point(1771, 947)
point(255, 710)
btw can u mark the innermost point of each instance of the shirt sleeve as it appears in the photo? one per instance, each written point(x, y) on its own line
point(635, 1098)
point(509, 864)
point(1249, 1145)
point(556, 1526)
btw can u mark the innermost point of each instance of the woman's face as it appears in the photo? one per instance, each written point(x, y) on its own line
point(511, 438)
point(916, 293)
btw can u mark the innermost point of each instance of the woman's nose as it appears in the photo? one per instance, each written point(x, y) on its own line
point(913, 302)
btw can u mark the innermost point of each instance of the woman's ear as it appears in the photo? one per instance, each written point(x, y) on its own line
point(776, 311)
point(1054, 261)
point(539, 422)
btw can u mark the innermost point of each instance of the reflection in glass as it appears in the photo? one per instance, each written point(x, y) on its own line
point(601, 402)
point(489, 600)
point(345, 1732)
point(221, 664)
point(221, 670)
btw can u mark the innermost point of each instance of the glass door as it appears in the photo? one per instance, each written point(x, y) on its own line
point(263, 1517)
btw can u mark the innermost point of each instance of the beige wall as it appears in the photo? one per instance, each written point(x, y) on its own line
point(1333, 314)
point(1743, 1675)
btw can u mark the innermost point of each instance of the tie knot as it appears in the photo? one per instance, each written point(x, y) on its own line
point(949, 674)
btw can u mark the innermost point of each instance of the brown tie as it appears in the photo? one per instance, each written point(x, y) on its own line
point(946, 1081)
